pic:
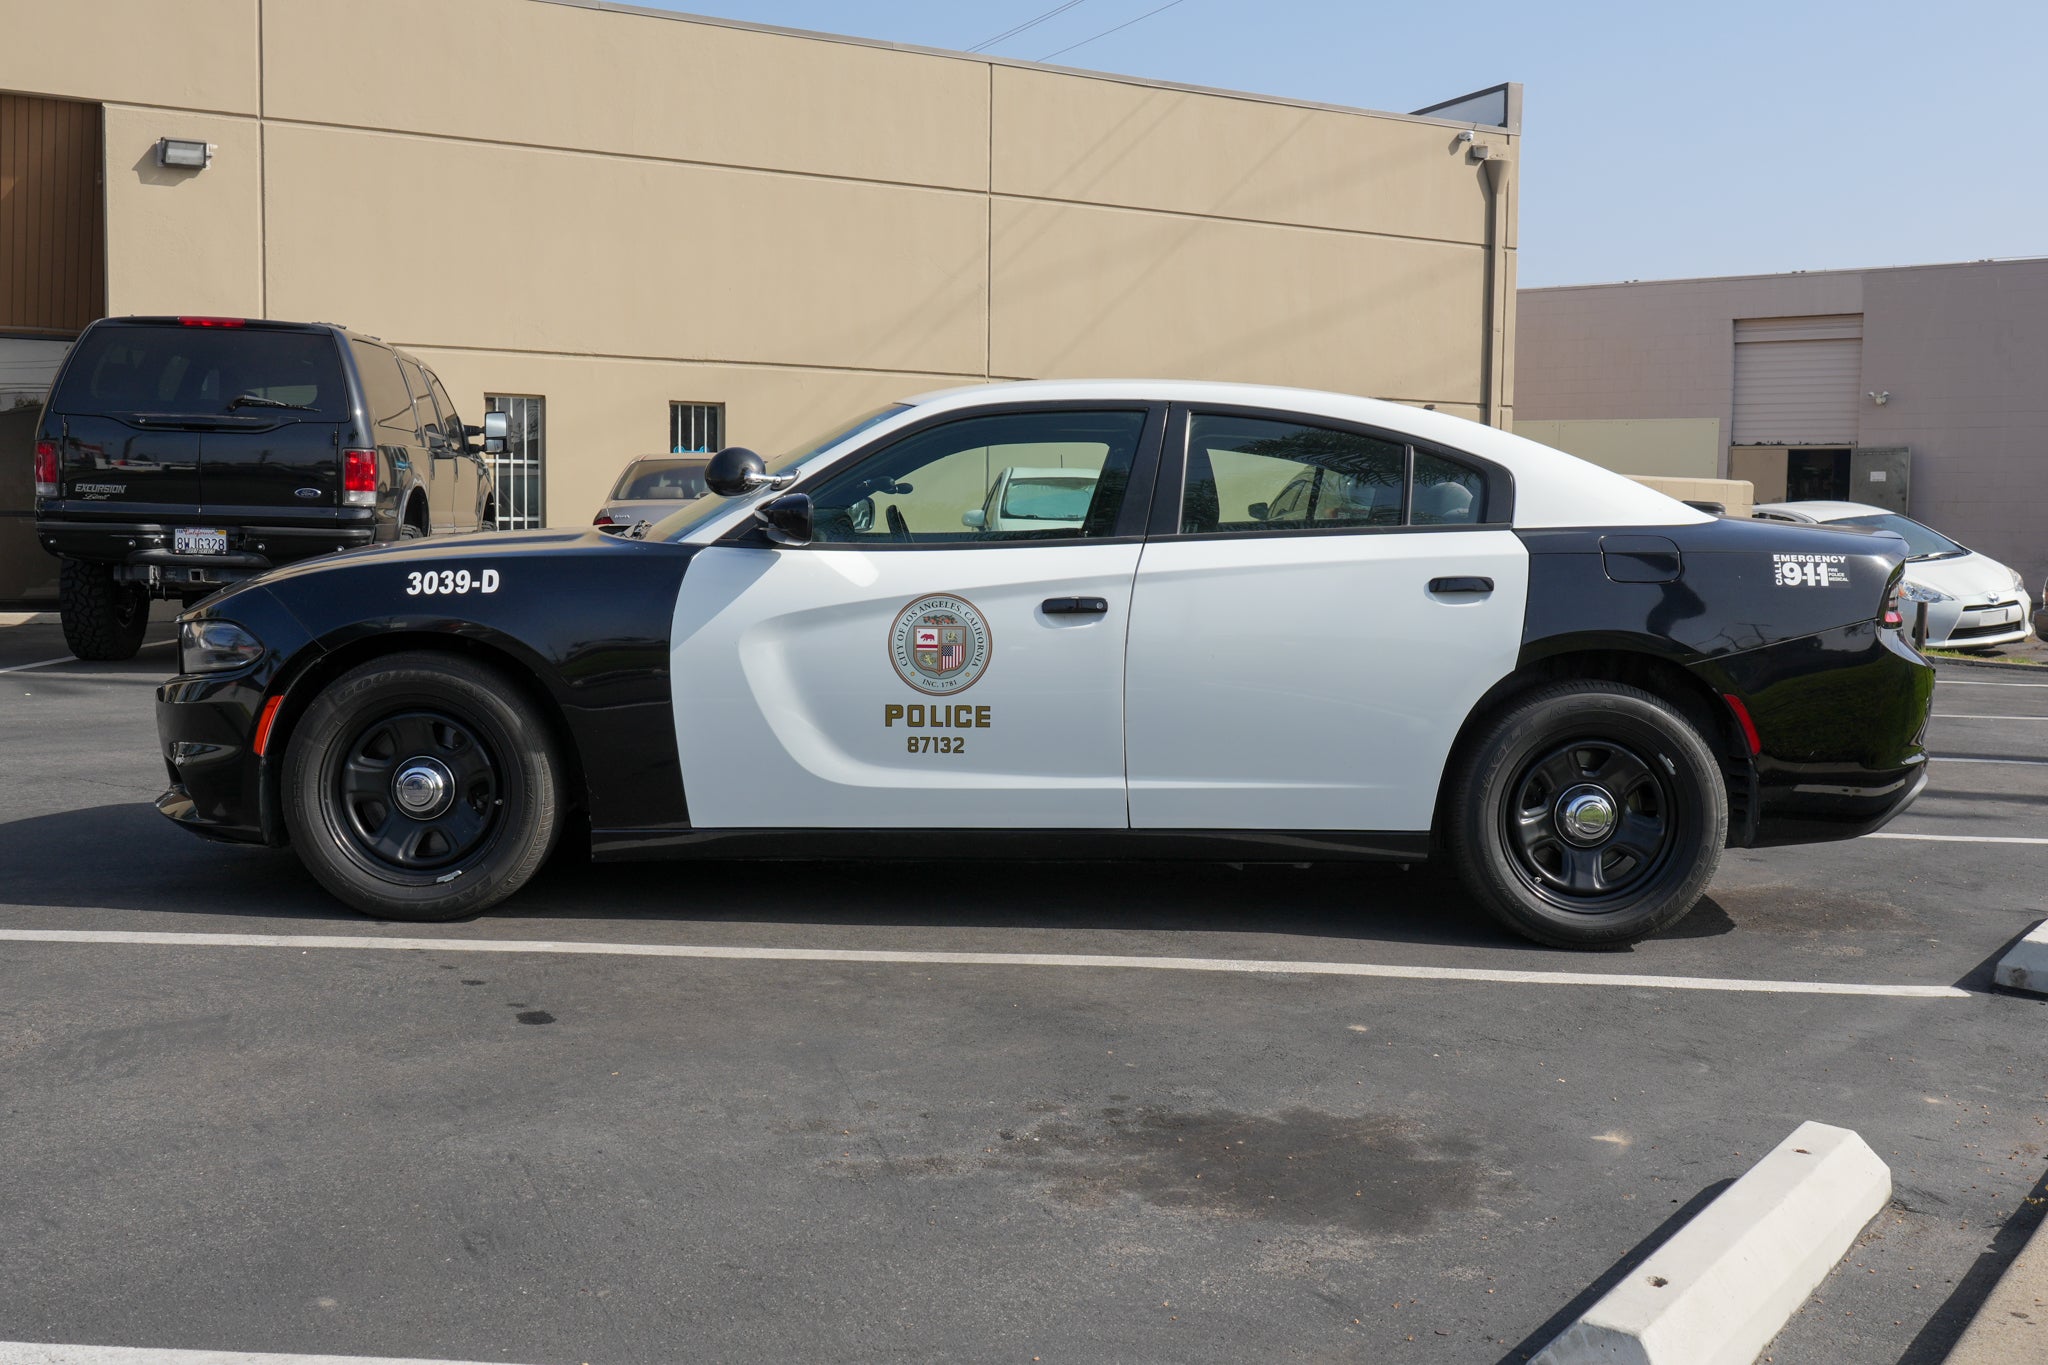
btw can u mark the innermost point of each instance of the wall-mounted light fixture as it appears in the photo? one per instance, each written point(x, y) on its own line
point(1881, 397)
point(187, 156)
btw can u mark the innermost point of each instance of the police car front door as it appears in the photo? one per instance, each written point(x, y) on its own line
point(936, 658)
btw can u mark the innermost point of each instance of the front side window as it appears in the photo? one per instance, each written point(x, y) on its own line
point(1251, 474)
point(1015, 476)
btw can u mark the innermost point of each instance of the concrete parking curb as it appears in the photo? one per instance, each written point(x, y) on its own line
point(2012, 1326)
point(28, 618)
point(1718, 1291)
point(2025, 965)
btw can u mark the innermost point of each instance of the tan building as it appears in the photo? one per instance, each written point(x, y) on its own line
point(1917, 388)
point(644, 231)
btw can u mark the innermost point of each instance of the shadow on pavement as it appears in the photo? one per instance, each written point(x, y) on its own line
point(127, 857)
point(1952, 1319)
point(1620, 1270)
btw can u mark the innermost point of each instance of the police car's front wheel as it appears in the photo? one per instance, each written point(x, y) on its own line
point(422, 786)
point(1587, 815)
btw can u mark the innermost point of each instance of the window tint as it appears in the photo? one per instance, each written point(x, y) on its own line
point(451, 421)
point(384, 391)
point(198, 371)
point(1008, 477)
point(1447, 493)
point(1247, 474)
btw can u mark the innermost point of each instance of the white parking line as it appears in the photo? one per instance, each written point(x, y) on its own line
point(1971, 682)
point(73, 658)
point(2018, 762)
point(35, 1353)
point(1959, 838)
point(1944, 715)
point(1248, 966)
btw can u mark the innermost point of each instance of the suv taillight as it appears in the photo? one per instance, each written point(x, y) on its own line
point(46, 469)
point(359, 478)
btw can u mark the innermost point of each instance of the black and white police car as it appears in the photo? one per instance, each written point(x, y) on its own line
point(1287, 625)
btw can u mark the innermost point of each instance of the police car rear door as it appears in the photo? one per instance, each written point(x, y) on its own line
point(916, 666)
point(1317, 612)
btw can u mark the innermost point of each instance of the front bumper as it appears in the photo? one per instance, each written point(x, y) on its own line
point(1841, 721)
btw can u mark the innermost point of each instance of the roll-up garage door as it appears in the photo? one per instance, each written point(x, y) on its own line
point(1797, 380)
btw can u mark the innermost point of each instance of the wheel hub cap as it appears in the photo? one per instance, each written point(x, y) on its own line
point(423, 787)
point(1586, 815)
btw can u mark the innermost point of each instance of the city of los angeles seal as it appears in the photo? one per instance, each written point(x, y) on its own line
point(940, 644)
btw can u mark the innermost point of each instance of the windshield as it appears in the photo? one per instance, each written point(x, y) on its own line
point(686, 518)
point(1049, 499)
point(1922, 542)
point(668, 480)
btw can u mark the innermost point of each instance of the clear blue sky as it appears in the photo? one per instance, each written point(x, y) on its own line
point(1662, 139)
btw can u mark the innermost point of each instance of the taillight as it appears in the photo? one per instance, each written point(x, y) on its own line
point(46, 469)
point(603, 519)
point(212, 322)
point(359, 478)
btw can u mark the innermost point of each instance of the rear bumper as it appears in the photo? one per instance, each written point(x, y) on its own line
point(1841, 721)
point(147, 547)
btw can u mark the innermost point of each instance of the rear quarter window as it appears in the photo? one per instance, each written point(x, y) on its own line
point(173, 371)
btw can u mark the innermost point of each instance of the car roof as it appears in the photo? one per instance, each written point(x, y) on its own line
point(1551, 487)
point(1820, 510)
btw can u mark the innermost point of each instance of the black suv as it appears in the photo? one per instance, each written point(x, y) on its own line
point(180, 454)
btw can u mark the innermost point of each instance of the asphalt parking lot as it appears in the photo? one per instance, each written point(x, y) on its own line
point(497, 1149)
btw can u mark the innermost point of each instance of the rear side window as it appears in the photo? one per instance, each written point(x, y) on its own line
point(173, 371)
point(1250, 475)
point(390, 402)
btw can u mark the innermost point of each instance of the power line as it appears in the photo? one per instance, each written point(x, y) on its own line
point(1028, 23)
point(1106, 32)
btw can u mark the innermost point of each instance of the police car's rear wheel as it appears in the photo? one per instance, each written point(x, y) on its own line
point(422, 787)
point(1588, 815)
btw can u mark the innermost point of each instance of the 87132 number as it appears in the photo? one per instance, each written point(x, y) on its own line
point(937, 744)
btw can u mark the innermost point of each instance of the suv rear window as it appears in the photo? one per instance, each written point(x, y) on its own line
point(201, 371)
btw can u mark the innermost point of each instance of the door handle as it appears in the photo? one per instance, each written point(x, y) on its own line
point(1477, 586)
point(1074, 606)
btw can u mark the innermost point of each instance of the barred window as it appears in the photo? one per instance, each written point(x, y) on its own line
point(520, 470)
point(695, 428)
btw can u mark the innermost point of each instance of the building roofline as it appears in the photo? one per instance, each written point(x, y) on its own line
point(714, 21)
point(1786, 274)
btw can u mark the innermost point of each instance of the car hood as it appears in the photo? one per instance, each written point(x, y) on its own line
point(1973, 577)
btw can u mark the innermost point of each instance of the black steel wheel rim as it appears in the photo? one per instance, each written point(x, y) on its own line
point(1565, 863)
point(416, 792)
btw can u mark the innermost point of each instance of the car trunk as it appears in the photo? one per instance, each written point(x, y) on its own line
point(166, 419)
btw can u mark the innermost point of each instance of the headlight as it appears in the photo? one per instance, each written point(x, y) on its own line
point(2018, 584)
point(215, 647)
point(1920, 592)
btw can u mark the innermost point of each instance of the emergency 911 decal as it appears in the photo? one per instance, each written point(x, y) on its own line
point(1811, 571)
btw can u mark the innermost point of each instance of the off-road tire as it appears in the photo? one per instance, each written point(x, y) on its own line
point(1509, 840)
point(408, 531)
point(104, 619)
point(334, 825)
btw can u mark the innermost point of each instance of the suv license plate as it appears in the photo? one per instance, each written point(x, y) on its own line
point(199, 540)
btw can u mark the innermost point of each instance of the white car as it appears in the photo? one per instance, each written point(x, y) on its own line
point(1035, 500)
point(1973, 601)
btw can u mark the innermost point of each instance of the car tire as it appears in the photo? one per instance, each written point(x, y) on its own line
point(104, 619)
point(1526, 807)
point(479, 771)
point(408, 531)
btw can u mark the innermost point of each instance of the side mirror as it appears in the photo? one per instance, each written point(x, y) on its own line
point(735, 470)
point(788, 518)
point(494, 445)
point(1259, 511)
point(976, 518)
point(496, 428)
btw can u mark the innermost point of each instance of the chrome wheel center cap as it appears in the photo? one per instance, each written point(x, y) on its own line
point(1586, 814)
point(423, 787)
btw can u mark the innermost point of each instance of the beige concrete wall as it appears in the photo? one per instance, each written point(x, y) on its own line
point(192, 54)
point(181, 241)
point(1764, 467)
point(615, 210)
point(1673, 447)
point(1737, 496)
